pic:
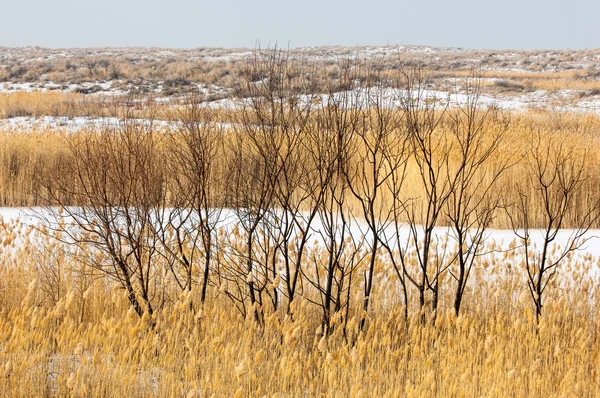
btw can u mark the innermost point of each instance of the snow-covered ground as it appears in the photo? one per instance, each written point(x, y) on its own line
point(105, 88)
point(565, 100)
point(95, 88)
point(71, 125)
point(498, 240)
point(27, 123)
point(63, 123)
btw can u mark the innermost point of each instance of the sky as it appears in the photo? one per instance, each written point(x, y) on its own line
point(477, 24)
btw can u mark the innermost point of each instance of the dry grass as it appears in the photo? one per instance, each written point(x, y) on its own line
point(504, 81)
point(86, 341)
point(39, 104)
point(27, 159)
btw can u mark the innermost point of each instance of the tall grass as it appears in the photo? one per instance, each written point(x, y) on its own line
point(582, 80)
point(38, 104)
point(27, 160)
point(86, 341)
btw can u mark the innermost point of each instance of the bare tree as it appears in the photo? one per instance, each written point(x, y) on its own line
point(379, 150)
point(113, 180)
point(258, 145)
point(191, 213)
point(556, 173)
point(477, 134)
point(270, 154)
point(431, 150)
point(329, 137)
point(281, 103)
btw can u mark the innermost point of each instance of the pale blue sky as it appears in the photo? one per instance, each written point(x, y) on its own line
point(518, 24)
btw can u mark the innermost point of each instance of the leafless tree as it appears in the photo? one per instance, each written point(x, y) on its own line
point(189, 218)
point(258, 148)
point(113, 181)
point(431, 150)
point(556, 173)
point(379, 150)
point(477, 134)
point(329, 137)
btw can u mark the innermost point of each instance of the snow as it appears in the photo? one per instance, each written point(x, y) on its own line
point(96, 87)
point(66, 124)
point(539, 99)
point(501, 239)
